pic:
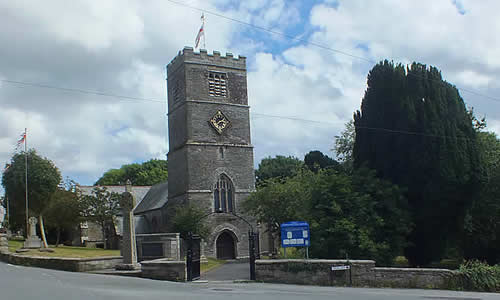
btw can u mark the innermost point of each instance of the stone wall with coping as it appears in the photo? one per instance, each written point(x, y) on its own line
point(62, 263)
point(168, 245)
point(363, 273)
point(412, 277)
point(315, 271)
point(164, 269)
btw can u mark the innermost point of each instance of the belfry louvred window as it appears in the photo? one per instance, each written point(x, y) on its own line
point(223, 195)
point(217, 84)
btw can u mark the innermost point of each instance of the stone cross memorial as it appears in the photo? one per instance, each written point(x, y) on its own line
point(33, 241)
point(128, 248)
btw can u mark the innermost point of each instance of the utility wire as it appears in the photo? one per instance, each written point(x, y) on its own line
point(81, 91)
point(271, 31)
point(318, 45)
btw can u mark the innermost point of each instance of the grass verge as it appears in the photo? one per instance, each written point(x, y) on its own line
point(211, 264)
point(64, 251)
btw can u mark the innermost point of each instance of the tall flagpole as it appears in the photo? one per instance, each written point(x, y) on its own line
point(26, 177)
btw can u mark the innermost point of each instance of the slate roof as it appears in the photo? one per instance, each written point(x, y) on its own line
point(156, 198)
point(138, 191)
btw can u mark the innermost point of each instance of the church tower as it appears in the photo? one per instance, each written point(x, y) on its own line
point(210, 159)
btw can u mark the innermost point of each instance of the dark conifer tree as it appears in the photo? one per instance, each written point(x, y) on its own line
point(414, 129)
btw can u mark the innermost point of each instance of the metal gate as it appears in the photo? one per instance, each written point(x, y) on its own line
point(257, 244)
point(193, 257)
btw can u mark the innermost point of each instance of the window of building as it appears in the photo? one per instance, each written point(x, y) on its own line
point(223, 195)
point(217, 84)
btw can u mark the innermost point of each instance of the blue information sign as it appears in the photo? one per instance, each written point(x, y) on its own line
point(295, 234)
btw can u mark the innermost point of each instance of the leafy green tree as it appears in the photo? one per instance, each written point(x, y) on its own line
point(43, 180)
point(316, 160)
point(190, 219)
point(148, 173)
point(64, 212)
point(414, 130)
point(344, 145)
point(280, 200)
point(482, 222)
point(280, 167)
point(100, 207)
point(359, 215)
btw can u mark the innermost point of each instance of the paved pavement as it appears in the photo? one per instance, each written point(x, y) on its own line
point(229, 271)
point(24, 283)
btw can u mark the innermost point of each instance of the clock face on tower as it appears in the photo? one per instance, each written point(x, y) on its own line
point(219, 122)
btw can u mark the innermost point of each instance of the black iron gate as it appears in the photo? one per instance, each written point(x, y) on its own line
point(193, 257)
point(257, 244)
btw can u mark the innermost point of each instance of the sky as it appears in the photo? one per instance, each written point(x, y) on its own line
point(315, 69)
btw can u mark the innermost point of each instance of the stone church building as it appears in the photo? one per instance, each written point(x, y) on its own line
point(210, 159)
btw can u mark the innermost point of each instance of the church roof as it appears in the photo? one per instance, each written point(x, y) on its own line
point(138, 191)
point(156, 198)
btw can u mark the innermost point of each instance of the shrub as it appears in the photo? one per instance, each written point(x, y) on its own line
point(478, 276)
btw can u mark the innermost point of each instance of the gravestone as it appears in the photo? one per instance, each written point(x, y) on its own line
point(128, 248)
point(33, 241)
point(4, 243)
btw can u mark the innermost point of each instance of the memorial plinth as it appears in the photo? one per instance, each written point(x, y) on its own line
point(33, 241)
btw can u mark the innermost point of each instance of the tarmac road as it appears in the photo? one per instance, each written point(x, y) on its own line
point(24, 283)
point(231, 270)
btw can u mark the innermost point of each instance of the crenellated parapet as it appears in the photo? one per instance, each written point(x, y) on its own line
point(188, 55)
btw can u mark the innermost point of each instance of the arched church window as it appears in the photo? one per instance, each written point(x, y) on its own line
point(223, 195)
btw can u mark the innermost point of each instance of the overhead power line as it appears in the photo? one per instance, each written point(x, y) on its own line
point(291, 37)
point(318, 45)
point(82, 91)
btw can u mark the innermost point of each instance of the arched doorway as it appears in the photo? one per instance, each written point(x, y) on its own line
point(225, 246)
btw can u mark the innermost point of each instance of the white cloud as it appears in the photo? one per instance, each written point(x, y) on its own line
point(122, 47)
point(96, 25)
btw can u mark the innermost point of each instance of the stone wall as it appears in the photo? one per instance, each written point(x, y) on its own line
point(163, 269)
point(363, 273)
point(412, 277)
point(63, 264)
point(158, 245)
point(315, 271)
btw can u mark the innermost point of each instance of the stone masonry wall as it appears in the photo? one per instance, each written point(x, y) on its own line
point(163, 269)
point(315, 271)
point(412, 277)
point(63, 264)
point(364, 273)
